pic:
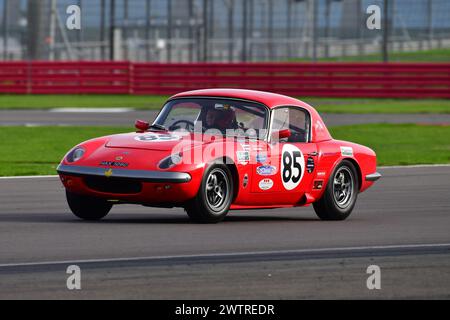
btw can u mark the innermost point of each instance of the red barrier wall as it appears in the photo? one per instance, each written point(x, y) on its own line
point(386, 80)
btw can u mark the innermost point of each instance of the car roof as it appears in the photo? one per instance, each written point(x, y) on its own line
point(270, 99)
point(319, 131)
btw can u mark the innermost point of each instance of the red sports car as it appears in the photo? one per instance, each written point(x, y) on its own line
point(213, 150)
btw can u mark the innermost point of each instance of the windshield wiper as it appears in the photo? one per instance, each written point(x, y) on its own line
point(159, 127)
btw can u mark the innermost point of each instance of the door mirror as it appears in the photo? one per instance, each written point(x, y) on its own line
point(141, 125)
point(280, 134)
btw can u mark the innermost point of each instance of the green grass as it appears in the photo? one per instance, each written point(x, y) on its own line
point(393, 106)
point(80, 101)
point(434, 55)
point(38, 150)
point(400, 144)
point(330, 105)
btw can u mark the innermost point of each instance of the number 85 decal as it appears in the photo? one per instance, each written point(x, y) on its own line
point(292, 166)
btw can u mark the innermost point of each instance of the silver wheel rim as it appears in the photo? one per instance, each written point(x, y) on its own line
point(343, 187)
point(216, 189)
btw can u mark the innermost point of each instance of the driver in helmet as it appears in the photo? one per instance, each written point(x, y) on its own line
point(221, 117)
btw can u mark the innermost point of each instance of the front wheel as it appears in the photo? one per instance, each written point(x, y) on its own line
point(87, 208)
point(340, 195)
point(214, 197)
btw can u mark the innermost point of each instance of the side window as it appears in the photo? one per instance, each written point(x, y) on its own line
point(250, 118)
point(294, 119)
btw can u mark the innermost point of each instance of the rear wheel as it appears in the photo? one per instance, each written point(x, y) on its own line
point(214, 197)
point(87, 208)
point(340, 195)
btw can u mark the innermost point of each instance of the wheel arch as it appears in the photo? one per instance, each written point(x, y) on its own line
point(234, 173)
point(357, 168)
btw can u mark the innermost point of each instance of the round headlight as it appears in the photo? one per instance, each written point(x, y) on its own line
point(176, 158)
point(170, 161)
point(76, 154)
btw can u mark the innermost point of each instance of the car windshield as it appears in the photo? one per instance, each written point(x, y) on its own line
point(216, 116)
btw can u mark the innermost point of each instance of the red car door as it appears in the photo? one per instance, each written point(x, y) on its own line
point(284, 168)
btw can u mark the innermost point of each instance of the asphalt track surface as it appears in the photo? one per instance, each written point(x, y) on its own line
point(43, 117)
point(402, 225)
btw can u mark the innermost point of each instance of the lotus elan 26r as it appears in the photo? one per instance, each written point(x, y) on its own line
point(214, 150)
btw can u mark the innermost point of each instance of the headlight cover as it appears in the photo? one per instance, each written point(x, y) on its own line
point(170, 161)
point(76, 154)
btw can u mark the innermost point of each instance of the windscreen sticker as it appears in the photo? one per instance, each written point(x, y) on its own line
point(243, 157)
point(152, 137)
point(261, 157)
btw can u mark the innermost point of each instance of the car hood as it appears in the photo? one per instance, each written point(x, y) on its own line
point(161, 141)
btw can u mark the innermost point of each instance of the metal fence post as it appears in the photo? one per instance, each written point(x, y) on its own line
point(314, 30)
point(169, 30)
point(385, 31)
point(112, 26)
point(5, 29)
point(230, 30)
point(147, 29)
point(244, 30)
point(102, 29)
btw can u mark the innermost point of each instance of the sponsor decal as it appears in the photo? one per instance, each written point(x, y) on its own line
point(321, 173)
point(245, 147)
point(265, 184)
point(292, 166)
point(266, 170)
point(108, 173)
point(153, 137)
point(243, 157)
point(114, 164)
point(245, 181)
point(119, 158)
point(261, 157)
point(318, 125)
point(347, 151)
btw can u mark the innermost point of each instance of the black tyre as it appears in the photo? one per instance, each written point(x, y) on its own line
point(214, 197)
point(340, 194)
point(87, 208)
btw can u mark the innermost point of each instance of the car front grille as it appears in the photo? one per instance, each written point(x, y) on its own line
point(113, 185)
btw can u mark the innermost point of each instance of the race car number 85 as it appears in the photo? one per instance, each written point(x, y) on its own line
point(292, 166)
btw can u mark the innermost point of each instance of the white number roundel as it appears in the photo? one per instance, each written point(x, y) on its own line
point(156, 137)
point(292, 166)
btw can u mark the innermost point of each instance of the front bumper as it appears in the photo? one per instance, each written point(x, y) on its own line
point(373, 177)
point(142, 175)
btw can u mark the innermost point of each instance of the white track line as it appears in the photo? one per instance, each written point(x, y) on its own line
point(227, 254)
point(91, 110)
point(27, 177)
point(416, 166)
point(382, 167)
point(36, 125)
